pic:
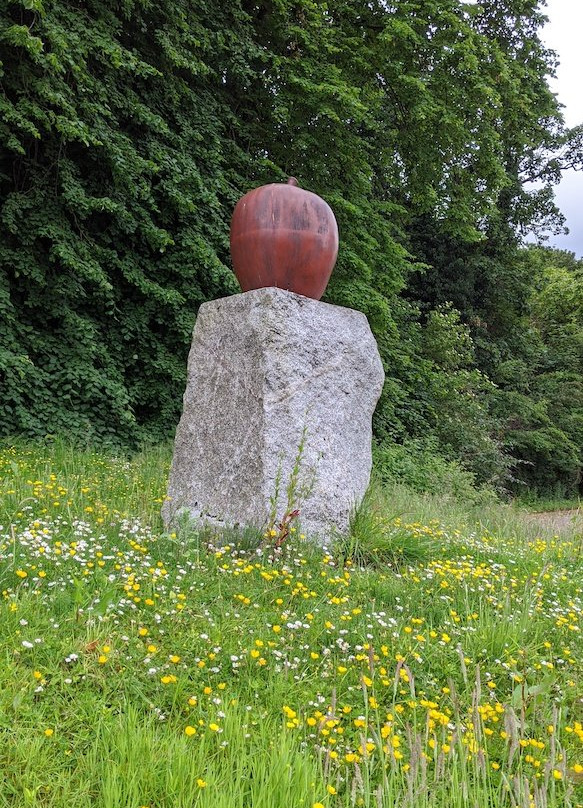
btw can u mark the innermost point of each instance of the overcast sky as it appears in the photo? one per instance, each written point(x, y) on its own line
point(563, 33)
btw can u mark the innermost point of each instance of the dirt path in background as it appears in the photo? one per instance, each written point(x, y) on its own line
point(558, 521)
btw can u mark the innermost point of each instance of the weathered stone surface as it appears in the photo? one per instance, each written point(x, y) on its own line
point(273, 378)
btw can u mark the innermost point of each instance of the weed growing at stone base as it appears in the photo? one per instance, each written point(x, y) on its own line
point(146, 669)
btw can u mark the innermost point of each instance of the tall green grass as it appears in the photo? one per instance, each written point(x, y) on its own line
point(432, 658)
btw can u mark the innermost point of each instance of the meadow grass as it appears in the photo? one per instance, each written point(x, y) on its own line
point(432, 659)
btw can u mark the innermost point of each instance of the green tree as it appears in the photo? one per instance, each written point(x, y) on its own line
point(118, 170)
point(128, 131)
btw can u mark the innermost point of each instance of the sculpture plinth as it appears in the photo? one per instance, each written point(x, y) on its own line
point(278, 385)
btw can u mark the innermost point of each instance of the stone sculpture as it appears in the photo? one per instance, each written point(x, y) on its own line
point(277, 416)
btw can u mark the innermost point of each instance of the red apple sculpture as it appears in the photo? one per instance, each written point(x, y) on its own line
point(282, 235)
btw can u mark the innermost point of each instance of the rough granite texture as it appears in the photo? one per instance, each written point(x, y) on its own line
point(272, 377)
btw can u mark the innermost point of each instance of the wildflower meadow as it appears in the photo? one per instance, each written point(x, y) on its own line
point(431, 659)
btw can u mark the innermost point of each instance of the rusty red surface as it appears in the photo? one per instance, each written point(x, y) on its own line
point(285, 236)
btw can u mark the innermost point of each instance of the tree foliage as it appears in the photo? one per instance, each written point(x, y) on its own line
point(117, 173)
point(540, 394)
point(129, 130)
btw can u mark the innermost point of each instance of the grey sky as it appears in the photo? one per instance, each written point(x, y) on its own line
point(563, 34)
